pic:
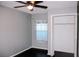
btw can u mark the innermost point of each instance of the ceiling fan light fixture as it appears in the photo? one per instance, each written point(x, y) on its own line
point(31, 4)
point(30, 7)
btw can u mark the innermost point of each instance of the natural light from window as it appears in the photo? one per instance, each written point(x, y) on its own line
point(41, 31)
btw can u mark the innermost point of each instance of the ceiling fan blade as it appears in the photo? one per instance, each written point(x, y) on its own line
point(40, 6)
point(19, 6)
point(36, 2)
point(21, 2)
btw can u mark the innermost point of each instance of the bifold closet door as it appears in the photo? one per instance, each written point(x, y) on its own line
point(64, 33)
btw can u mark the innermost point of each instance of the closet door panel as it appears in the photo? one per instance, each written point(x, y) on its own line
point(64, 38)
point(64, 19)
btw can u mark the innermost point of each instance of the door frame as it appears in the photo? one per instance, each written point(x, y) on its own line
point(51, 35)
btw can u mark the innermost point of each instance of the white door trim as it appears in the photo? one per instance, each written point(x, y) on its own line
point(51, 35)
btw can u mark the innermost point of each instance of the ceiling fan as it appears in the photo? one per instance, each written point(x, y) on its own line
point(31, 4)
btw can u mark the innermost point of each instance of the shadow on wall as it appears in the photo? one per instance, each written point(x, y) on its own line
point(78, 28)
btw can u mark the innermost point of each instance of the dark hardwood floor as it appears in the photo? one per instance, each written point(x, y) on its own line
point(33, 52)
point(63, 54)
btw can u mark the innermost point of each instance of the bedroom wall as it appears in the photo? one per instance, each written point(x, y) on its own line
point(53, 12)
point(15, 31)
point(35, 43)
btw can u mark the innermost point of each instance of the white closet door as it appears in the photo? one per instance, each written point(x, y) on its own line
point(64, 38)
point(64, 19)
point(64, 34)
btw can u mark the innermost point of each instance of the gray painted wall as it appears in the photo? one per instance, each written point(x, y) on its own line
point(47, 16)
point(63, 10)
point(43, 17)
point(15, 31)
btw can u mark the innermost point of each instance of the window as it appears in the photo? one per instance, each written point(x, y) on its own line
point(41, 31)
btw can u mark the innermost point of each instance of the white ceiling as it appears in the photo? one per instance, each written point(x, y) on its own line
point(52, 5)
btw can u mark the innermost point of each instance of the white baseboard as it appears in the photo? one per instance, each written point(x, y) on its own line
point(39, 47)
point(20, 52)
